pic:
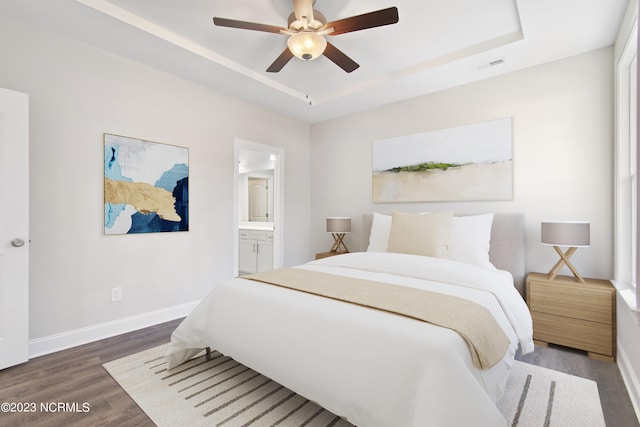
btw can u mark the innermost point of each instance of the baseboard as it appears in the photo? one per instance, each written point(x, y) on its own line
point(631, 381)
point(64, 340)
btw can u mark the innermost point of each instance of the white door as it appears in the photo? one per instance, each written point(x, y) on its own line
point(265, 256)
point(258, 202)
point(14, 228)
point(247, 256)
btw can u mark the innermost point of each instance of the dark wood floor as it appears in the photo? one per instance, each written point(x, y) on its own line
point(76, 376)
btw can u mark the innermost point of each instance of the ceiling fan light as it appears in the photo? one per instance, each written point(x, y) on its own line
point(306, 45)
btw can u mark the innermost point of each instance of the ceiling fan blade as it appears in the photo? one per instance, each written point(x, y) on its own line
point(243, 25)
point(280, 61)
point(362, 22)
point(302, 9)
point(340, 59)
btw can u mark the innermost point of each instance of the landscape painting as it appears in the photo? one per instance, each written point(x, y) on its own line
point(465, 163)
point(146, 186)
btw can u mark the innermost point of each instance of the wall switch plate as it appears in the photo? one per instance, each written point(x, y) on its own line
point(116, 294)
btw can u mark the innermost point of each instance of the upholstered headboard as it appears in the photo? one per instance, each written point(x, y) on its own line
point(507, 244)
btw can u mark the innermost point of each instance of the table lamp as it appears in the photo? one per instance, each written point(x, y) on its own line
point(338, 227)
point(572, 234)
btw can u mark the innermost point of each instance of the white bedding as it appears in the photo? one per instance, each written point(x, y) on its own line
point(371, 367)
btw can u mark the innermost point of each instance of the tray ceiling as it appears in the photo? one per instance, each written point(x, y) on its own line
point(435, 45)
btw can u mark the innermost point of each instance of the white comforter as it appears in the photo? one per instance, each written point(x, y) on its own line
point(374, 368)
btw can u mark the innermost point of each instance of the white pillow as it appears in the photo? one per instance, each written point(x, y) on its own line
point(470, 240)
point(380, 230)
point(420, 234)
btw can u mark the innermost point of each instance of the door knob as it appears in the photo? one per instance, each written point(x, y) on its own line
point(17, 242)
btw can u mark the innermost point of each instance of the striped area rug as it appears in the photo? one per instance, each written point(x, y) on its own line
point(223, 392)
point(536, 396)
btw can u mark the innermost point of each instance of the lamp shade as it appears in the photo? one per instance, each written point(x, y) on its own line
point(339, 224)
point(307, 45)
point(565, 233)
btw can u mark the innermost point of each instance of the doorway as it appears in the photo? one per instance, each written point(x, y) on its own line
point(258, 200)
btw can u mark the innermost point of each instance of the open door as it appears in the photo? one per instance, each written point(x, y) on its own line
point(14, 228)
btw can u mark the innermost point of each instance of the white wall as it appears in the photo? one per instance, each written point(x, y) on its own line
point(562, 150)
point(78, 92)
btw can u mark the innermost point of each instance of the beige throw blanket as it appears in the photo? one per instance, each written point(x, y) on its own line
point(486, 340)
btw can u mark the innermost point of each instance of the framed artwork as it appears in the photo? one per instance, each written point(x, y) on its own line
point(146, 186)
point(464, 163)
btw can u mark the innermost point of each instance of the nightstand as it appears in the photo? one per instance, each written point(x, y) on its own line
point(321, 255)
point(574, 314)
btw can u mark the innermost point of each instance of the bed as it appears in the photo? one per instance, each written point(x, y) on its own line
point(376, 367)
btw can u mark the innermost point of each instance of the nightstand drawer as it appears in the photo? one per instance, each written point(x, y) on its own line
point(576, 333)
point(577, 301)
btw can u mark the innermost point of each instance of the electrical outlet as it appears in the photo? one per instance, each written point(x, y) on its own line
point(116, 294)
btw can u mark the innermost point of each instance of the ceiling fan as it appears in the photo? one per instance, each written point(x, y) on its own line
point(306, 30)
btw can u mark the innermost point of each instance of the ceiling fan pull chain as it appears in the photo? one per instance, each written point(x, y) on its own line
point(307, 74)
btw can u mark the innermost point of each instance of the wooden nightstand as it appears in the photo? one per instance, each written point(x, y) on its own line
point(574, 314)
point(321, 255)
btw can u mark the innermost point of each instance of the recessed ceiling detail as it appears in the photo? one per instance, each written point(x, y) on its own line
point(502, 29)
point(433, 46)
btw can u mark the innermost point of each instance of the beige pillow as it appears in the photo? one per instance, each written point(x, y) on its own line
point(420, 234)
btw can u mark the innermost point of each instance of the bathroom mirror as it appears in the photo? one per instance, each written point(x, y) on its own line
point(255, 186)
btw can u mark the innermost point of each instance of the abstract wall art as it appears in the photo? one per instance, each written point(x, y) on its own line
point(146, 186)
point(465, 163)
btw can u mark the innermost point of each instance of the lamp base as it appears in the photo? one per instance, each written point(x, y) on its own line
point(338, 243)
point(564, 259)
